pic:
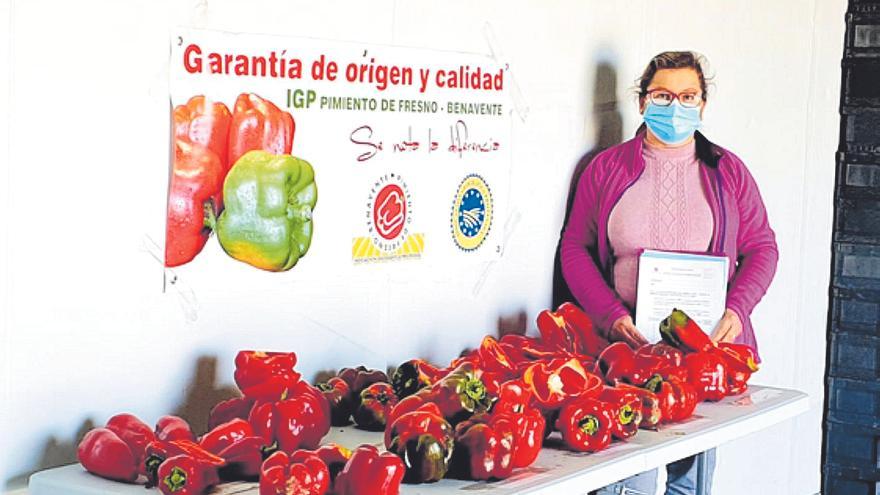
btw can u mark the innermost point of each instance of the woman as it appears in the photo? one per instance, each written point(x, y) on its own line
point(668, 188)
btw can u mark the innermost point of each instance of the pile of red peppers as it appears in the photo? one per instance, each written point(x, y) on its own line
point(480, 418)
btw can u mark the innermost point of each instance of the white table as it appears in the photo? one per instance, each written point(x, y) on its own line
point(555, 471)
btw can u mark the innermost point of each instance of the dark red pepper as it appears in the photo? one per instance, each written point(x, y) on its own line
point(626, 412)
point(338, 395)
point(302, 473)
point(707, 372)
point(414, 375)
point(484, 447)
point(618, 363)
point(586, 425)
point(370, 473)
point(360, 378)
point(376, 404)
point(425, 440)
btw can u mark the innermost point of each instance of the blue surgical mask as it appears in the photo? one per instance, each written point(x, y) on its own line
point(672, 124)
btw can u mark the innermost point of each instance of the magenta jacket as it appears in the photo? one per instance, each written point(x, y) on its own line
point(741, 230)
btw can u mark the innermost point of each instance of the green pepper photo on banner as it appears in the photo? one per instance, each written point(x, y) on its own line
point(269, 199)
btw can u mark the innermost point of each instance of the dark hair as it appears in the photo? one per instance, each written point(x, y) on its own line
point(706, 150)
point(673, 60)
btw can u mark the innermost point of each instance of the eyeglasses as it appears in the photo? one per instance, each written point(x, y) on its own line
point(664, 98)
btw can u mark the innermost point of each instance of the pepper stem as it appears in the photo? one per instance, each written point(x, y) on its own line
point(210, 217)
point(626, 414)
point(589, 425)
point(475, 389)
point(176, 480)
point(654, 383)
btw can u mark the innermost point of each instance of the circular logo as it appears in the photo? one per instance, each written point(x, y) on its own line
point(389, 210)
point(471, 213)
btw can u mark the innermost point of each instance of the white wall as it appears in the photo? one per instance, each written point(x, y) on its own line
point(87, 331)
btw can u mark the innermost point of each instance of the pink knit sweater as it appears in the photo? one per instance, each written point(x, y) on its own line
point(664, 209)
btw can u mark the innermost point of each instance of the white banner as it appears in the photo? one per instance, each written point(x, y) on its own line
point(410, 151)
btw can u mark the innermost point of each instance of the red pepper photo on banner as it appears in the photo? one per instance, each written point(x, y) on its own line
point(257, 124)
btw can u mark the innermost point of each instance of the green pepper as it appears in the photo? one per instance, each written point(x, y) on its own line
point(269, 200)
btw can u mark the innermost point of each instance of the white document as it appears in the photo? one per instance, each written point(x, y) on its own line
point(693, 283)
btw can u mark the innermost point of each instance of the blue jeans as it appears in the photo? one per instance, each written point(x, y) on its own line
point(682, 478)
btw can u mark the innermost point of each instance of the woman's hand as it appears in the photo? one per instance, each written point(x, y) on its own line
point(624, 329)
point(728, 328)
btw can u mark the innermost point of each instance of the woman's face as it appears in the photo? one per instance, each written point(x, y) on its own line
point(679, 81)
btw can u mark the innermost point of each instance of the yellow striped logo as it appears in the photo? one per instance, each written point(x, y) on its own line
point(364, 250)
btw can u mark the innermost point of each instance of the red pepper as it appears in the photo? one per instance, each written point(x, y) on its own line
point(194, 201)
point(552, 383)
point(591, 343)
point(557, 333)
point(302, 473)
point(204, 122)
point(376, 404)
point(707, 372)
point(514, 399)
point(298, 420)
point(670, 356)
point(103, 453)
point(236, 443)
point(158, 451)
point(530, 427)
point(650, 406)
point(461, 393)
point(680, 331)
point(360, 378)
point(484, 447)
point(257, 124)
point(424, 439)
point(338, 395)
point(265, 375)
point(627, 411)
point(678, 399)
point(334, 457)
point(173, 428)
point(586, 425)
point(494, 359)
point(741, 363)
point(223, 412)
point(530, 348)
point(409, 404)
point(619, 364)
point(185, 475)
point(370, 473)
point(133, 432)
